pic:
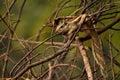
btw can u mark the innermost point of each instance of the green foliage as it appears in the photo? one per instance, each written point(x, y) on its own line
point(34, 15)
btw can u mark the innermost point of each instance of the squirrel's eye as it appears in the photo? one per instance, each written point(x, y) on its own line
point(62, 26)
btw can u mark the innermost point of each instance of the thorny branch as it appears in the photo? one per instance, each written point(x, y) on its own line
point(85, 59)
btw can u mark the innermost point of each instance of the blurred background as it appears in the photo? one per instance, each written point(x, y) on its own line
point(35, 14)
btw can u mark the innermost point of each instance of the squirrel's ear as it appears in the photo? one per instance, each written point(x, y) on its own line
point(56, 21)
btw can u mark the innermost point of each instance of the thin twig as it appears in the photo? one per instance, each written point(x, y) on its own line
point(111, 57)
